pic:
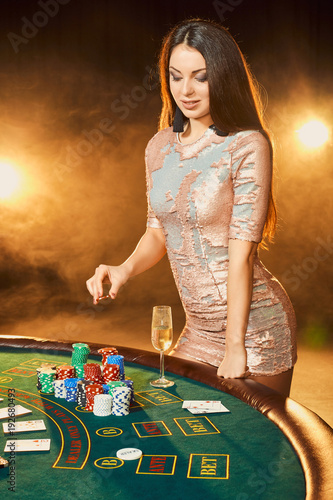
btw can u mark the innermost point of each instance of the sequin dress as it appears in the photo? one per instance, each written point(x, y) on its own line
point(203, 194)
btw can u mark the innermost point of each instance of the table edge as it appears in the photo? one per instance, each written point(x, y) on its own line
point(311, 436)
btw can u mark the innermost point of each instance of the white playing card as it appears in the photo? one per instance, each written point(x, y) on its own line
point(13, 411)
point(28, 445)
point(29, 425)
point(198, 411)
point(208, 405)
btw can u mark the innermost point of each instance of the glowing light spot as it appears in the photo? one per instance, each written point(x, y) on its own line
point(9, 180)
point(313, 134)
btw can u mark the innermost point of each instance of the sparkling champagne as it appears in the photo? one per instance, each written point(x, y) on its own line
point(161, 337)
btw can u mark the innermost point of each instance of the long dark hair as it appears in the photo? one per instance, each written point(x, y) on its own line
point(233, 91)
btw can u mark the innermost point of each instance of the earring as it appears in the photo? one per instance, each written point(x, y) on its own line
point(178, 122)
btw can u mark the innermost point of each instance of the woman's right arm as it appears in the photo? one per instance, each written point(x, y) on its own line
point(150, 249)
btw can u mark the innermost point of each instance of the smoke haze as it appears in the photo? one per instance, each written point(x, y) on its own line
point(78, 104)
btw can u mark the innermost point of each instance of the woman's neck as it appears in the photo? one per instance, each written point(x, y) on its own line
point(195, 129)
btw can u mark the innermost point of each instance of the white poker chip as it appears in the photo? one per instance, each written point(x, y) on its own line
point(129, 453)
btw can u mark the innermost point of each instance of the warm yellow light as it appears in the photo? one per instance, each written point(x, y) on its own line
point(9, 180)
point(313, 134)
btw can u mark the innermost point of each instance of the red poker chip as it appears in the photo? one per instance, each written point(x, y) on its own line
point(92, 371)
point(107, 351)
point(94, 387)
point(65, 371)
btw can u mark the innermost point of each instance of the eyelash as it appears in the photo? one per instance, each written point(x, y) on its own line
point(177, 79)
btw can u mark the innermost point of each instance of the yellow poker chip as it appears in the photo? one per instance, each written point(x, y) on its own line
point(129, 453)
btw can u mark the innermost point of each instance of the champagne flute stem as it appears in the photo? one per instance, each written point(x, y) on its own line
point(161, 365)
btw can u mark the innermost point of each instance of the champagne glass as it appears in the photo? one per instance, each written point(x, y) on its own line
point(161, 338)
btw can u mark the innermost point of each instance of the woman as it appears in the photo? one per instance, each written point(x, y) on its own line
point(209, 186)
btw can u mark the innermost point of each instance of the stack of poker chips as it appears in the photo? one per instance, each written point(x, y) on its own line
point(42, 367)
point(115, 383)
point(111, 372)
point(71, 388)
point(65, 371)
point(79, 371)
point(39, 385)
point(130, 384)
point(105, 352)
point(59, 389)
point(46, 379)
point(117, 359)
point(91, 391)
point(92, 371)
point(121, 401)
point(80, 357)
point(81, 392)
point(102, 405)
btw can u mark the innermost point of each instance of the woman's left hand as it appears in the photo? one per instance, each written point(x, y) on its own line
point(234, 362)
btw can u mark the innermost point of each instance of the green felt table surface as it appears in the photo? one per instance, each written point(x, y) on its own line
point(238, 455)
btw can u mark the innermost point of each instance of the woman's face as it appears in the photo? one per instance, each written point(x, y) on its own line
point(188, 83)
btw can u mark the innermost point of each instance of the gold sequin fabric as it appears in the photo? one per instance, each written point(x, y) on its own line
point(203, 194)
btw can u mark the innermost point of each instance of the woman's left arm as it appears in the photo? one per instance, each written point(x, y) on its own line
point(251, 168)
point(239, 295)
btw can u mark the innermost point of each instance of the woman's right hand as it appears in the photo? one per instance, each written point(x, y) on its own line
point(116, 276)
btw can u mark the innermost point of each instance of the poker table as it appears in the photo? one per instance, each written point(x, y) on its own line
point(266, 447)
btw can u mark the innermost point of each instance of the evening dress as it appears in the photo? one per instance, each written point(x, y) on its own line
point(201, 195)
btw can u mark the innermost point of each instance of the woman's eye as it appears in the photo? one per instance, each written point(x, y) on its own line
point(175, 78)
point(201, 78)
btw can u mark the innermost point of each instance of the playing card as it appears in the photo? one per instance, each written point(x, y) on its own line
point(28, 445)
point(13, 411)
point(29, 425)
point(208, 405)
point(197, 411)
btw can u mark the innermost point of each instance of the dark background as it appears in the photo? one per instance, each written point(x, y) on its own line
point(64, 70)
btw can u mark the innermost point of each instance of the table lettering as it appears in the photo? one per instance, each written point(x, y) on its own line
point(196, 425)
point(74, 452)
point(151, 428)
point(208, 466)
point(157, 464)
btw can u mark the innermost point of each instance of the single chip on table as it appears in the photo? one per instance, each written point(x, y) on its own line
point(129, 453)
